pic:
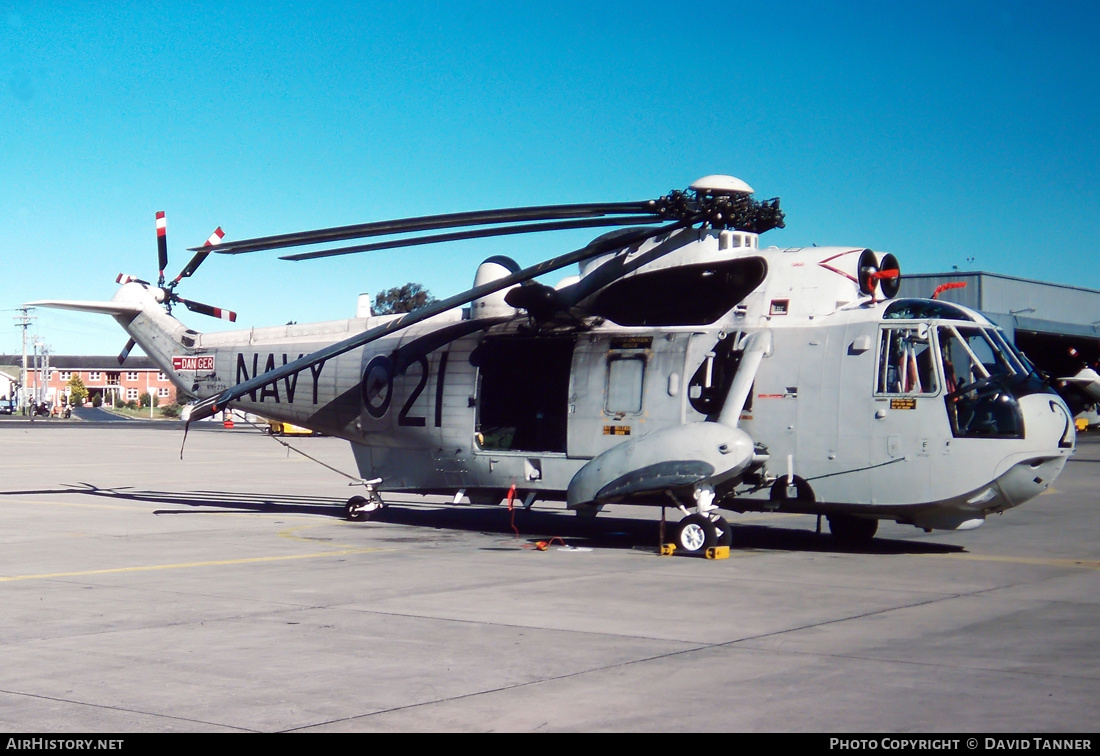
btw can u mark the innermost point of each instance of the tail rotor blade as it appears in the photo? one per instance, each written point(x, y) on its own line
point(162, 245)
point(214, 240)
point(205, 309)
point(126, 351)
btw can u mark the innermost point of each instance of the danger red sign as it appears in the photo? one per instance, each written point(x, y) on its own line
point(193, 363)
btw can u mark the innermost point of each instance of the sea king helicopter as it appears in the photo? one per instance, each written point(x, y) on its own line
point(681, 366)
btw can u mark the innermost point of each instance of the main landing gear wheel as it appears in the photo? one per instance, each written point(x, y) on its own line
point(697, 533)
point(725, 532)
point(852, 531)
point(360, 508)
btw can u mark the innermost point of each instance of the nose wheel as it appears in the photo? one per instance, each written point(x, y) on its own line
point(697, 533)
point(702, 529)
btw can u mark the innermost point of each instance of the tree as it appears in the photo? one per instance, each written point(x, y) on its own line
point(78, 392)
point(400, 299)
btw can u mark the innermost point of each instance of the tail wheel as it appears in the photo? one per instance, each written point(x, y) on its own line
point(355, 509)
point(359, 508)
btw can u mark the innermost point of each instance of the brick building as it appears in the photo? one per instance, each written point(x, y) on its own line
point(102, 376)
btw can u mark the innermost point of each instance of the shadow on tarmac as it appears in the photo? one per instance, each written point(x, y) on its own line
point(605, 532)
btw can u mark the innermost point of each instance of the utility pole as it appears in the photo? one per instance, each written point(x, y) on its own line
point(24, 321)
point(39, 353)
point(34, 373)
point(46, 374)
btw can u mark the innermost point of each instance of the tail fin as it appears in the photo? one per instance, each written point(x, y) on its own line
point(136, 309)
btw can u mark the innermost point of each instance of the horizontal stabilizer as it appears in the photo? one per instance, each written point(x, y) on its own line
point(107, 308)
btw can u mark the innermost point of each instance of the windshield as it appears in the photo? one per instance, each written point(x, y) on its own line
point(971, 354)
point(979, 369)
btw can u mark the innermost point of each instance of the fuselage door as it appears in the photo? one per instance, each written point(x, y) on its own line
point(622, 386)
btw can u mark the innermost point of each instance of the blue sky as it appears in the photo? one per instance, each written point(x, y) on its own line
point(937, 131)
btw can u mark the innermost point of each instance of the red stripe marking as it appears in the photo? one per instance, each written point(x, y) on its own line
point(849, 276)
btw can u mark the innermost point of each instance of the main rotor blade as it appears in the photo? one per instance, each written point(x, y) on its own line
point(209, 406)
point(478, 233)
point(432, 222)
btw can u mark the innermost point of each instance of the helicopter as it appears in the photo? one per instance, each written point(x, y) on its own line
point(682, 365)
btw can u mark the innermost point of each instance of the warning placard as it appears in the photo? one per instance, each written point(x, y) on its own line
point(197, 362)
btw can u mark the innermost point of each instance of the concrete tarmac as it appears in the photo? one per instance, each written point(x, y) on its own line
point(224, 592)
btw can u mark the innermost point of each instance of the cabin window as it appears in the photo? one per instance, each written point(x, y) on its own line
point(625, 376)
point(907, 363)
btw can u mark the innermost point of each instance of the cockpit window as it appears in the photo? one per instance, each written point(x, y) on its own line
point(979, 369)
point(1014, 355)
point(971, 354)
point(924, 309)
point(907, 362)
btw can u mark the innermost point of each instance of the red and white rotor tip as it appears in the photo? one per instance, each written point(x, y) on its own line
point(215, 238)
